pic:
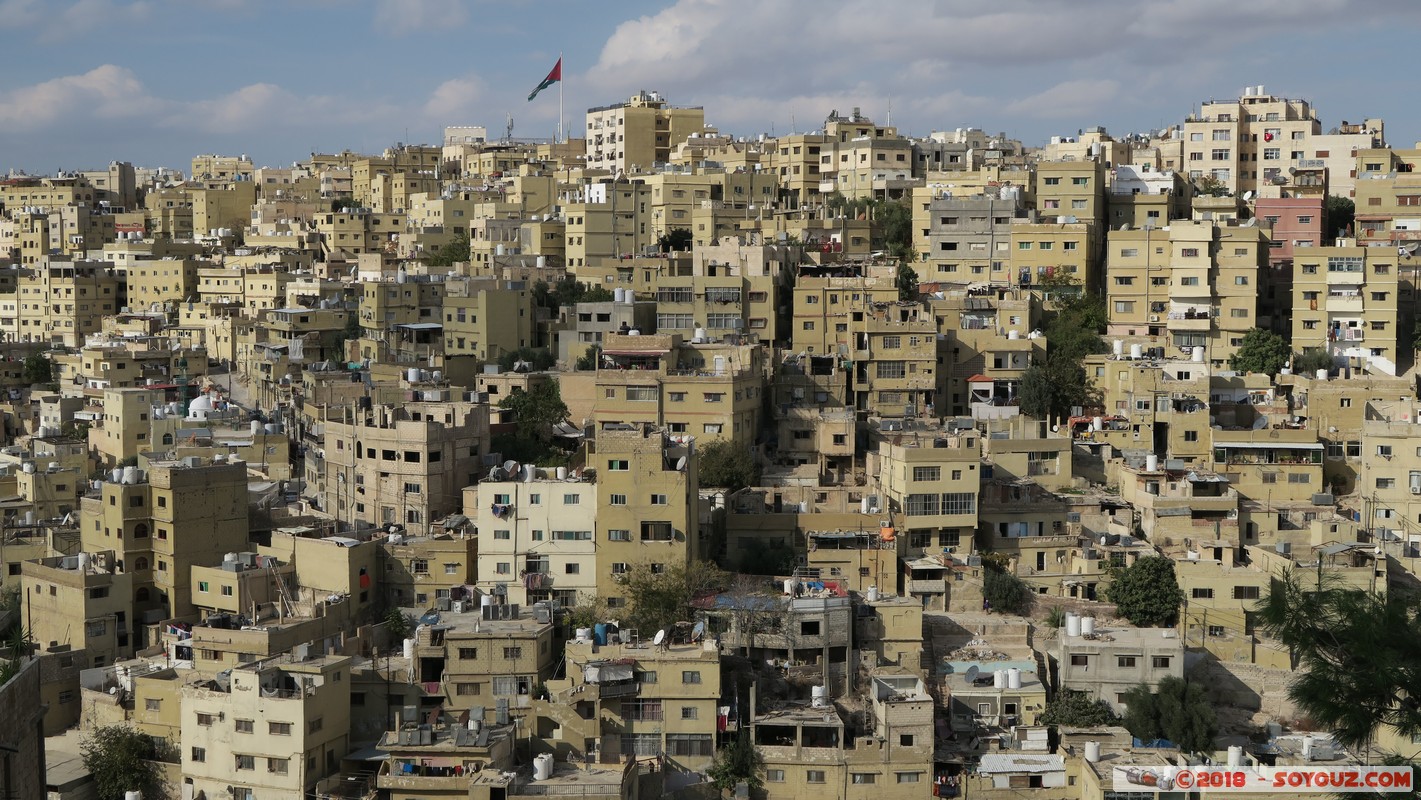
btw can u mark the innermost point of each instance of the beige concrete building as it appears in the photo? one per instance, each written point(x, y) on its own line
point(639, 133)
point(62, 302)
point(84, 602)
point(1106, 667)
point(930, 482)
point(271, 728)
point(1346, 303)
point(537, 539)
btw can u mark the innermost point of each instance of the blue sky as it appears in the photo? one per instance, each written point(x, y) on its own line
point(158, 81)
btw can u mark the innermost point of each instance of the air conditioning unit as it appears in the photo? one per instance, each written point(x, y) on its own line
point(1154, 318)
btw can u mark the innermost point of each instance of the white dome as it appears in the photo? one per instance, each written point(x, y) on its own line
point(200, 404)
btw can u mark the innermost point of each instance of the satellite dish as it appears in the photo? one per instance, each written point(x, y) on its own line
point(698, 631)
point(659, 638)
point(971, 676)
point(510, 466)
point(495, 474)
point(681, 464)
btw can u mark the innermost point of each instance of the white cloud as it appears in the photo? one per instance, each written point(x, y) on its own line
point(456, 99)
point(1078, 99)
point(104, 93)
point(402, 17)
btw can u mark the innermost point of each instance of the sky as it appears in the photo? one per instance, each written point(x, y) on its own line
point(155, 82)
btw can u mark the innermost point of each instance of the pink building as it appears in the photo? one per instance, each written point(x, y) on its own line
point(1292, 222)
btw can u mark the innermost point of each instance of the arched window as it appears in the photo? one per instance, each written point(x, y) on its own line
point(139, 564)
point(167, 438)
point(140, 531)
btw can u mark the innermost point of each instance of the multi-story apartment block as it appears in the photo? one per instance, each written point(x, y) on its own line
point(709, 390)
point(83, 601)
point(815, 422)
point(271, 728)
point(986, 342)
point(1242, 143)
point(585, 325)
point(1346, 303)
point(647, 505)
point(635, 700)
point(402, 465)
point(62, 302)
point(1106, 667)
point(966, 239)
point(639, 133)
point(487, 656)
point(930, 481)
point(537, 539)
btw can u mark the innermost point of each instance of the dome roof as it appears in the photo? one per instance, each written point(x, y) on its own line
point(200, 403)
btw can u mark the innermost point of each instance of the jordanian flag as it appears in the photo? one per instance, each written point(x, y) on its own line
point(553, 77)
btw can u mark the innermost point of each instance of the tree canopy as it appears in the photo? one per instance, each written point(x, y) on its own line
point(1177, 711)
point(1356, 655)
point(725, 464)
point(454, 252)
point(1054, 387)
point(1004, 591)
point(38, 369)
point(1260, 351)
point(906, 279)
point(118, 758)
point(675, 240)
point(568, 292)
point(658, 600)
point(1339, 213)
point(1310, 361)
point(536, 411)
point(1147, 593)
point(1078, 710)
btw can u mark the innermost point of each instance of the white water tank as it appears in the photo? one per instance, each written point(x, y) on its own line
point(698, 335)
point(1198, 355)
point(1307, 748)
point(543, 762)
point(634, 332)
point(475, 725)
point(1073, 624)
point(819, 696)
point(562, 473)
point(584, 635)
point(1013, 335)
point(132, 796)
point(1118, 348)
point(1235, 756)
point(1137, 352)
point(485, 600)
point(130, 475)
point(1087, 626)
point(116, 475)
point(256, 427)
point(408, 650)
point(999, 679)
point(873, 594)
point(530, 471)
point(1092, 752)
point(1151, 463)
point(863, 506)
point(542, 262)
point(1013, 678)
point(500, 250)
point(84, 560)
point(1097, 424)
point(28, 467)
point(1322, 374)
point(412, 374)
point(789, 586)
point(618, 295)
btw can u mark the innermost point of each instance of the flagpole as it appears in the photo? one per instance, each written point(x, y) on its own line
point(562, 132)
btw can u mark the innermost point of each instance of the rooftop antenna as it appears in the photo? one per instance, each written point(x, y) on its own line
point(508, 129)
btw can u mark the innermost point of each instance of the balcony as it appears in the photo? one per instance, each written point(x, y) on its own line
point(1345, 303)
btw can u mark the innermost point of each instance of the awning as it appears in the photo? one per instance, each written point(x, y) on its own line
point(608, 673)
point(635, 352)
point(420, 326)
point(1271, 445)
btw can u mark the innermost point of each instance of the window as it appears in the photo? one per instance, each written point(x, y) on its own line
point(690, 676)
point(817, 775)
point(1245, 592)
point(467, 689)
point(512, 653)
point(277, 766)
point(419, 566)
point(199, 754)
point(690, 712)
point(713, 397)
point(1125, 662)
point(927, 473)
point(774, 776)
point(1217, 630)
point(152, 704)
point(1160, 662)
point(244, 726)
point(618, 465)
point(863, 778)
point(571, 499)
point(246, 762)
point(659, 500)
point(468, 653)
point(619, 535)
point(278, 728)
point(205, 720)
point(909, 777)
point(617, 499)
point(1080, 660)
point(1202, 594)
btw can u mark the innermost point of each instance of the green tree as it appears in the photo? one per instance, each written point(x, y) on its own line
point(1053, 388)
point(536, 410)
point(1356, 655)
point(1312, 360)
point(344, 204)
point(739, 760)
point(725, 464)
point(906, 279)
point(1177, 710)
point(1077, 710)
point(1147, 593)
point(1339, 212)
point(398, 624)
point(117, 756)
point(1260, 351)
point(658, 600)
point(539, 357)
point(454, 252)
point(1004, 591)
point(759, 557)
point(675, 240)
point(588, 360)
point(349, 332)
point(37, 369)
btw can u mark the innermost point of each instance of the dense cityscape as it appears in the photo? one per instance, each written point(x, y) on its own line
point(658, 461)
